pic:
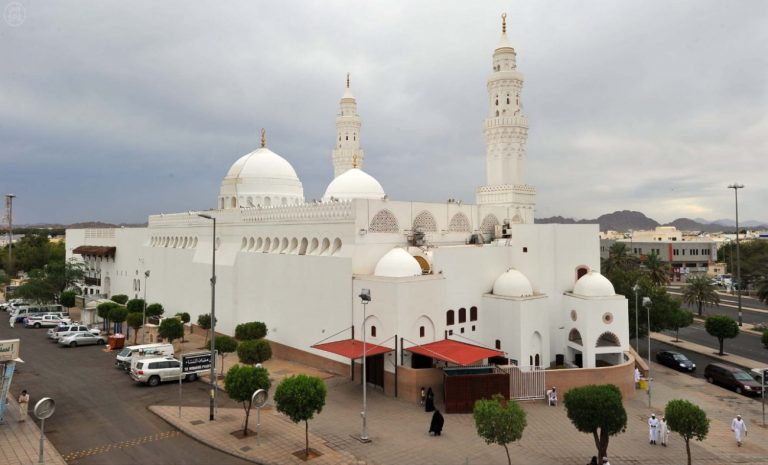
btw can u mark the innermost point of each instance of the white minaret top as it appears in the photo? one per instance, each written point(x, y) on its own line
point(506, 134)
point(347, 154)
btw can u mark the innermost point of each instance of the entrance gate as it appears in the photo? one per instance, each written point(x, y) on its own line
point(526, 382)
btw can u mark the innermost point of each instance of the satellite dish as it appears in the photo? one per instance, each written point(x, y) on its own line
point(44, 408)
point(259, 398)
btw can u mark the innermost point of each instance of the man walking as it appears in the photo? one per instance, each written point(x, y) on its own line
point(653, 427)
point(739, 429)
point(663, 431)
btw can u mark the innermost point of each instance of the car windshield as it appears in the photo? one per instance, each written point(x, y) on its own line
point(680, 358)
point(742, 376)
point(125, 352)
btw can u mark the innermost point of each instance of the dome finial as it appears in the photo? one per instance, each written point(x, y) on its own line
point(263, 138)
point(347, 80)
point(503, 23)
point(355, 162)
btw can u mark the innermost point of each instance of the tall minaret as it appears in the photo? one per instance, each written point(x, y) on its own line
point(347, 151)
point(506, 133)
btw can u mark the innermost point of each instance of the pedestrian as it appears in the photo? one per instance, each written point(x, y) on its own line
point(429, 403)
point(12, 321)
point(653, 427)
point(23, 406)
point(423, 396)
point(593, 461)
point(663, 431)
point(436, 425)
point(605, 461)
point(553, 397)
point(637, 378)
point(739, 428)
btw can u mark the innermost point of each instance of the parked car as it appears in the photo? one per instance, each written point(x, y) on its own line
point(22, 312)
point(675, 360)
point(69, 329)
point(153, 371)
point(39, 321)
point(124, 358)
point(732, 378)
point(82, 339)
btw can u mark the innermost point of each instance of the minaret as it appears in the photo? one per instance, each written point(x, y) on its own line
point(347, 135)
point(506, 134)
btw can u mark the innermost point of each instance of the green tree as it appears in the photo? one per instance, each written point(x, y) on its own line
point(499, 424)
point(252, 330)
point(67, 298)
point(225, 345)
point(254, 351)
point(31, 252)
point(701, 291)
point(103, 310)
point(722, 327)
point(681, 318)
point(117, 315)
point(687, 420)
point(171, 329)
point(135, 320)
point(241, 382)
point(597, 409)
point(134, 305)
point(184, 318)
point(754, 256)
point(657, 271)
point(122, 299)
point(762, 288)
point(62, 275)
point(764, 338)
point(619, 259)
point(204, 321)
point(300, 397)
point(155, 310)
point(36, 288)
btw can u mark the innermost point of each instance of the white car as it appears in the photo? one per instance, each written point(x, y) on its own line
point(69, 329)
point(39, 321)
point(154, 370)
point(82, 339)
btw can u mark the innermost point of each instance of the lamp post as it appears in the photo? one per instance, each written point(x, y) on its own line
point(636, 288)
point(365, 297)
point(647, 304)
point(9, 203)
point(213, 315)
point(144, 315)
point(736, 187)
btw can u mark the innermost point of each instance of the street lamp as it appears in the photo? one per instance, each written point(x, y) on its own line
point(9, 204)
point(636, 288)
point(365, 297)
point(647, 304)
point(213, 314)
point(144, 315)
point(736, 187)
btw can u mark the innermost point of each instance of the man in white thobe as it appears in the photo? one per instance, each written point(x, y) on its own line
point(663, 431)
point(653, 428)
point(739, 428)
point(637, 378)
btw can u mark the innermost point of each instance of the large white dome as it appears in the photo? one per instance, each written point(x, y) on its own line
point(512, 283)
point(354, 184)
point(397, 263)
point(263, 178)
point(593, 284)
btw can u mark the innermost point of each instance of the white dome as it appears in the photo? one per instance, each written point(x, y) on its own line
point(512, 283)
point(354, 184)
point(261, 177)
point(593, 284)
point(397, 263)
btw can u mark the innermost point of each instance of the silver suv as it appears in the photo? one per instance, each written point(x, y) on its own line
point(154, 370)
point(66, 330)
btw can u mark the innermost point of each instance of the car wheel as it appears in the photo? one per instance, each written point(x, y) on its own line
point(154, 381)
point(73, 344)
point(710, 380)
point(191, 377)
point(738, 390)
point(37, 325)
point(99, 342)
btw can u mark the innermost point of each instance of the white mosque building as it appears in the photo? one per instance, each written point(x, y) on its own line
point(449, 282)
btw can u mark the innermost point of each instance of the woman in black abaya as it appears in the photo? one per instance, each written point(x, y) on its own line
point(429, 405)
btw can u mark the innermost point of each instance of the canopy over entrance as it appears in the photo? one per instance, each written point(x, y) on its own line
point(456, 352)
point(352, 348)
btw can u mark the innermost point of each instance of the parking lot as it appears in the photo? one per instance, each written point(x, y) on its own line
point(101, 414)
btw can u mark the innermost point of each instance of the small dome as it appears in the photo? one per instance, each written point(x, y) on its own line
point(397, 263)
point(512, 283)
point(593, 284)
point(354, 184)
point(261, 177)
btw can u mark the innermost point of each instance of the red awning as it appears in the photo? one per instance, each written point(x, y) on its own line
point(352, 348)
point(456, 352)
point(95, 250)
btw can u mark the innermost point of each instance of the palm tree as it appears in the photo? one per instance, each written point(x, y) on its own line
point(762, 288)
point(619, 258)
point(700, 291)
point(656, 270)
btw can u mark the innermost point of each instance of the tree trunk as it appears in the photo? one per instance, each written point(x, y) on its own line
point(247, 414)
point(688, 449)
point(135, 335)
point(603, 445)
point(700, 308)
point(509, 459)
point(677, 334)
point(720, 340)
point(306, 438)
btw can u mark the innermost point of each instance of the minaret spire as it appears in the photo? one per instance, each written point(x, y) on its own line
point(347, 153)
point(347, 80)
point(503, 23)
point(263, 138)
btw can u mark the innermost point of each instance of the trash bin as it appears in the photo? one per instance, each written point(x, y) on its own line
point(643, 384)
point(116, 342)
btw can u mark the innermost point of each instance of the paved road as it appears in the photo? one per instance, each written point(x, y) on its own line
point(744, 345)
point(101, 415)
point(753, 311)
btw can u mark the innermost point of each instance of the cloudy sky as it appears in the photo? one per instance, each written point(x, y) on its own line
point(114, 110)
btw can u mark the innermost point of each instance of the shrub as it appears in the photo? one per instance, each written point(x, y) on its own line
point(250, 331)
point(254, 351)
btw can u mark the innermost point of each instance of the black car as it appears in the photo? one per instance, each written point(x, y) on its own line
point(675, 360)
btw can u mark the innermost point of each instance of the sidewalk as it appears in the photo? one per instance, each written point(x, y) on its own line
point(20, 441)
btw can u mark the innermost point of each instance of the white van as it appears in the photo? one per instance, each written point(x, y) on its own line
point(125, 356)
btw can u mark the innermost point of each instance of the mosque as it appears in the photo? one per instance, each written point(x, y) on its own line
point(445, 285)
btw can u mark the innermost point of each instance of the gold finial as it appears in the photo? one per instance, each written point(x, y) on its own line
point(347, 80)
point(503, 23)
point(263, 138)
point(355, 162)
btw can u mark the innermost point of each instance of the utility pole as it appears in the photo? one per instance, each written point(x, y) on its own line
point(9, 216)
point(736, 187)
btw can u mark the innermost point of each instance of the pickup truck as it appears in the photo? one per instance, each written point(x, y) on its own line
point(39, 321)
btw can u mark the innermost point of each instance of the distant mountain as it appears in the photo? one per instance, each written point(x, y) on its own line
point(627, 220)
point(82, 225)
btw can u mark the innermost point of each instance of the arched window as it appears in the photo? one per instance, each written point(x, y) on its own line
point(497, 113)
point(449, 315)
point(536, 361)
point(459, 223)
point(575, 336)
point(424, 221)
point(473, 314)
point(422, 331)
point(607, 339)
point(384, 222)
point(462, 315)
point(581, 271)
point(488, 226)
point(373, 331)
